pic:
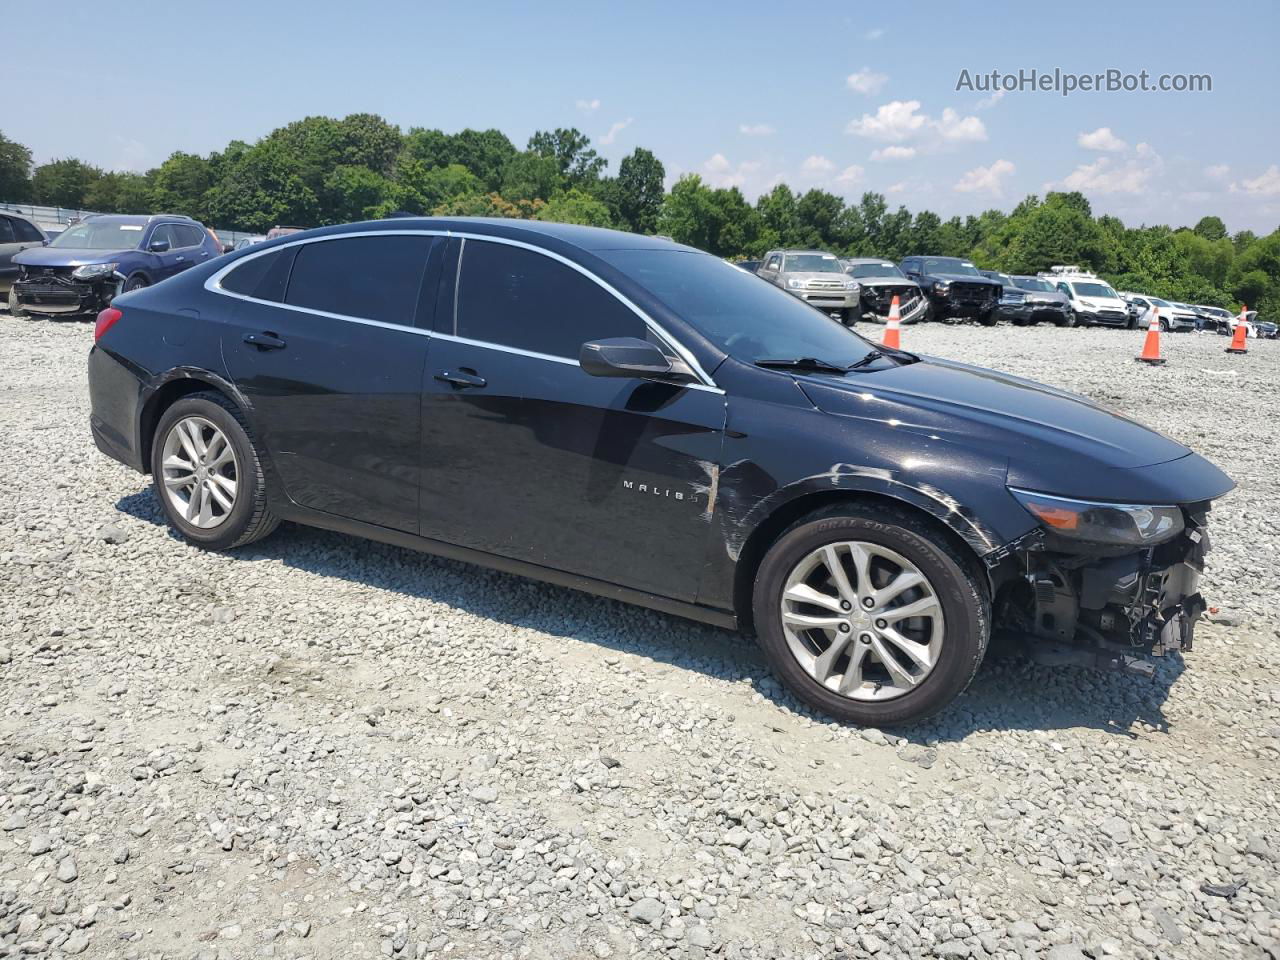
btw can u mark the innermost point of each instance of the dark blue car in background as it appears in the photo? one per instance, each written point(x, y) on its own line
point(88, 264)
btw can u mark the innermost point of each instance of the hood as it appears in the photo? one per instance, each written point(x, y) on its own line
point(818, 275)
point(1049, 440)
point(1044, 296)
point(885, 282)
point(962, 278)
point(65, 256)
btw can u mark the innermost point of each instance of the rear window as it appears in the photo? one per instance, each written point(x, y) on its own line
point(373, 278)
point(264, 277)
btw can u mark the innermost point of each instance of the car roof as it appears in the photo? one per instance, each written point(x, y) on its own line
point(882, 260)
point(137, 218)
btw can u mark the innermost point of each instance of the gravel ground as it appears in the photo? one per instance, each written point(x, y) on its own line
point(327, 748)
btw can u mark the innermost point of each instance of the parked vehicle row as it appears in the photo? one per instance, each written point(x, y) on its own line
point(633, 418)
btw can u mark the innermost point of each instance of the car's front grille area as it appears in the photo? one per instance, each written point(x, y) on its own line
point(880, 298)
point(46, 273)
point(972, 292)
point(826, 285)
point(51, 293)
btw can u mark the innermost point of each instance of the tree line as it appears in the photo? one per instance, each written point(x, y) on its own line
point(321, 170)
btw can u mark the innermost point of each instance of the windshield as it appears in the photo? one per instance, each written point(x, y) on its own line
point(811, 263)
point(874, 270)
point(99, 235)
point(1031, 283)
point(1094, 290)
point(747, 319)
point(961, 268)
point(1157, 302)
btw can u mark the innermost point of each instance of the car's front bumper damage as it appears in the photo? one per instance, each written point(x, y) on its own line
point(59, 294)
point(1108, 608)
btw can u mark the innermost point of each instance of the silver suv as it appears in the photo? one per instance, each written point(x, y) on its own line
point(817, 278)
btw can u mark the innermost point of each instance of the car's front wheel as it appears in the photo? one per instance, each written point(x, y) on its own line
point(870, 615)
point(14, 309)
point(849, 317)
point(207, 474)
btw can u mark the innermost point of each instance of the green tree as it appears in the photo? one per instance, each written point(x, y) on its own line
point(15, 171)
point(817, 213)
point(367, 140)
point(63, 183)
point(262, 188)
point(777, 210)
point(353, 192)
point(1211, 228)
point(531, 176)
point(180, 183)
point(576, 206)
point(639, 191)
point(571, 149)
point(121, 193)
point(424, 188)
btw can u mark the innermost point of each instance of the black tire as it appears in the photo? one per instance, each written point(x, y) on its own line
point(990, 318)
point(1164, 326)
point(250, 518)
point(135, 282)
point(15, 310)
point(957, 584)
point(849, 317)
point(1021, 322)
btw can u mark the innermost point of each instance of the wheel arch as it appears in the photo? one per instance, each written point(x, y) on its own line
point(767, 531)
point(176, 385)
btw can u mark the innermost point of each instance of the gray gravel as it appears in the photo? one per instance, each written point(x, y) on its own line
point(327, 748)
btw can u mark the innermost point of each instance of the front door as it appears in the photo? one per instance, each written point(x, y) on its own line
point(328, 349)
point(527, 456)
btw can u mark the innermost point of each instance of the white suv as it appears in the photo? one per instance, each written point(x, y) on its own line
point(1091, 300)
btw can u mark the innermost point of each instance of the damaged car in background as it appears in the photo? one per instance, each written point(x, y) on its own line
point(84, 268)
point(879, 281)
point(640, 420)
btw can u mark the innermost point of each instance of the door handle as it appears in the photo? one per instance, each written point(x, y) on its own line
point(179, 259)
point(460, 379)
point(264, 341)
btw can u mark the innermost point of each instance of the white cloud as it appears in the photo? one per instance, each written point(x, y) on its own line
point(894, 153)
point(893, 121)
point(956, 128)
point(875, 33)
point(866, 81)
point(588, 106)
point(1107, 175)
point(721, 173)
point(850, 175)
point(985, 179)
point(817, 165)
point(899, 187)
point(130, 154)
point(1266, 184)
point(1101, 139)
point(614, 130)
point(986, 103)
point(756, 129)
point(1217, 171)
point(901, 120)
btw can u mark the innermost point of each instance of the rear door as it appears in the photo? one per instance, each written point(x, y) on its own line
point(9, 245)
point(329, 348)
point(527, 456)
point(193, 249)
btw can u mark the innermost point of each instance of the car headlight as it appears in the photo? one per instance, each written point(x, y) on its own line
point(1087, 303)
point(795, 284)
point(941, 287)
point(1102, 522)
point(92, 271)
point(852, 285)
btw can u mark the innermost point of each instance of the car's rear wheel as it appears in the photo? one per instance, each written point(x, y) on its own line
point(208, 475)
point(990, 318)
point(870, 615)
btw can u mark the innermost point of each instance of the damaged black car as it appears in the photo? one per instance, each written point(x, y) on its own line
point(879, 281)
point(86, 266)
point(640, 420)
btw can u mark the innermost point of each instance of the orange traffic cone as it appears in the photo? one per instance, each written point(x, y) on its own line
point(892, 329)
point(1151, 348)
point(1240, 336)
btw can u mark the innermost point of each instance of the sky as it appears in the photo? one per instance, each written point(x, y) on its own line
point(846, 96)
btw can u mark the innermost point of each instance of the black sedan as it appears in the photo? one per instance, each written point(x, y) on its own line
point(638, 419)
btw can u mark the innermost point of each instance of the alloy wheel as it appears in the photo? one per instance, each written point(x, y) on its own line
point(862, 620)
point(200, 472)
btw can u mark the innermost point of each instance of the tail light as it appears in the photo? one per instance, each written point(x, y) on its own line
point(106, 320)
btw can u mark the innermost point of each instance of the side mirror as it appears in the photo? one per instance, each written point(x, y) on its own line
point(623, 357)
point(158, 246)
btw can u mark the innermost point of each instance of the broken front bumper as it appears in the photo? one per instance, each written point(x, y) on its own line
point(1105, 609)
point(61, 296)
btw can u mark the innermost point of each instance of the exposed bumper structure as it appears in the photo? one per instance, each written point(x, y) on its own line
point(875, 299)
point(60, 295)
point(1106, 608)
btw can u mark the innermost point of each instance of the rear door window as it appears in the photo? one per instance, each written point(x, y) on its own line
point(514, 297)
point(6, 230)
point(26, 233)
point(264, 277)
point(372, 278)
point(189, 235)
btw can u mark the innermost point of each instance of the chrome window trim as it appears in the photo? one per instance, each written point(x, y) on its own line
point(214, 285)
